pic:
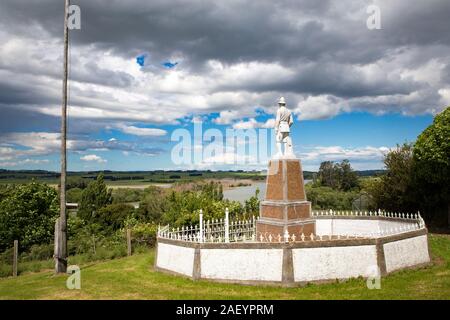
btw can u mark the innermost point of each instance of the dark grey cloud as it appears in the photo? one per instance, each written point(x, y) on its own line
point(445, 74)
point(129, 146)
point(241, 30)
point(325, 44)
point(14, 119)
point(335, 79)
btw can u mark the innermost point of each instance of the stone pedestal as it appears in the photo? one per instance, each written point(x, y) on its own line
point(285, 207)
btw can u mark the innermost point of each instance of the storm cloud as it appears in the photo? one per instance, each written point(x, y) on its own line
point(235, 57)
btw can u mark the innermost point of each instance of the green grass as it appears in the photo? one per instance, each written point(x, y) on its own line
point(134, 278)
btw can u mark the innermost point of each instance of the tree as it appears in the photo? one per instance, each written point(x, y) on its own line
point(347, 178)
point(5, 191)
point(126, 195)
point(153, 205)
point(328, 198)
point(432, 169)
point(339, 176)
point(93, 198)
point(76, 182)
point(395, 190)
point(28, 214)
point(74, 195)
point(251, 207)
point(113, 216)
point(327, 174)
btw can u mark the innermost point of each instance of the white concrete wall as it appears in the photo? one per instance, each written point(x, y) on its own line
point(310, 264)
point(406, 253)
point(386, 225)
point(353, 227)
point(242, 264)
point(176, 258)
point(323, 227)
point(346, 226)
point(333, 262)
point(356, 226)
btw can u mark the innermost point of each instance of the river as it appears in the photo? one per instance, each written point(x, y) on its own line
point(244, 193)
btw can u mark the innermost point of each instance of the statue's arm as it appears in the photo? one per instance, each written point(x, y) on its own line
point(277, 121)
point(291, 120)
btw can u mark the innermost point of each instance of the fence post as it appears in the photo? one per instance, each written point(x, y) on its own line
point(227, 226)
point(129, 242)
point(201, 226)
point(15, 257)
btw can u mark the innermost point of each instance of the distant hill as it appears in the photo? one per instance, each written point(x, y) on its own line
point(370, 173)
point(156, 176)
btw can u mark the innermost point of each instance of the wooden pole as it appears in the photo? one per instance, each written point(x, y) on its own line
point(15, 258)
point(61, 244)
point(129, 242)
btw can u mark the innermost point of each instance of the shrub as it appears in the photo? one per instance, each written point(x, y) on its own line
point(74, 195)
point(28, 214)
point(124, 195)
point(327, 198)
point(113, 216)
point(93, 198)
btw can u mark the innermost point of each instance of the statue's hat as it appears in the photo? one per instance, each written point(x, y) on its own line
point(282, 101)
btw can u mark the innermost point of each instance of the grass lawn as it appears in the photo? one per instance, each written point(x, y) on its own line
point(134, 278)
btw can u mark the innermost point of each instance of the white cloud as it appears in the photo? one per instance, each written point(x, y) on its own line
point(23, 162)
point(230, 158)
point(6, 153)
point(227, 117)
point(250, 124)
point(253, 124)
point(148, 132)
point(93, 158)
point(319, 107)
point(337, 153)
point(35, 143)
point(34, 161)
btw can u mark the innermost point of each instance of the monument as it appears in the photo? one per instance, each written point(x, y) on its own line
point(288, 244)
point(285, 209)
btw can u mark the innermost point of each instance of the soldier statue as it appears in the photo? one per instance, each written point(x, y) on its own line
point(283, 124)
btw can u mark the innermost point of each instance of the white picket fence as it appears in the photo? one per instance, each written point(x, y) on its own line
point(378, 213)
point(217, 230)
point(226, 230)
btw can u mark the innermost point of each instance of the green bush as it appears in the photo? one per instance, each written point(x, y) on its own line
point(5, 270)
point(74, 195)
point(6, 257)
point(339, 176)
point(327, 198)
point(143, 233)
point(153, 205)
point(76, 182)
point(94, 197)
point(113, 216)
point(38, 252)
point(28, 214)
point(127, 195)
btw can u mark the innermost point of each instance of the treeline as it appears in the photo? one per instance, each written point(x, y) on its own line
point(416, 178)
point(335, 186)
point(28, 213)
point(418, 175)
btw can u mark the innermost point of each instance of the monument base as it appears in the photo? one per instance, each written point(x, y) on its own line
point(266, 228)
point(285, 208)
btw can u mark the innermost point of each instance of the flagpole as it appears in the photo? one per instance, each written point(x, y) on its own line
point(61, 229)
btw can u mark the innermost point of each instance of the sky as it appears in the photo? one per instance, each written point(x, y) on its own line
point(354, 92)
